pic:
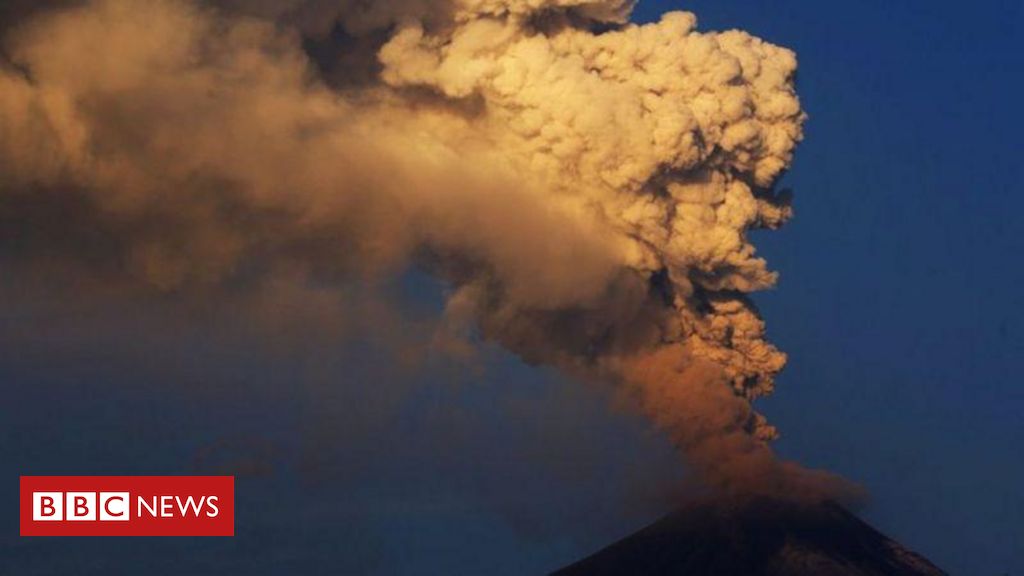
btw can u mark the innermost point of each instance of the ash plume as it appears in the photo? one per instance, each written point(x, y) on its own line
point(583, 184)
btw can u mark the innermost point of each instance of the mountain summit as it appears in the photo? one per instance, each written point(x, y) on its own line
point(756, 537)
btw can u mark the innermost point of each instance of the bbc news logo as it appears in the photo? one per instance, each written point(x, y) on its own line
point(116, 506)
point(127, 505)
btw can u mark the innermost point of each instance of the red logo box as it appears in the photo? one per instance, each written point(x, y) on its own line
point(127, 505)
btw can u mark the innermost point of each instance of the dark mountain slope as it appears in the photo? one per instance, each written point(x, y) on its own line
point(757, 537)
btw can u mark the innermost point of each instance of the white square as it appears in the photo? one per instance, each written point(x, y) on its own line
point(80, 506)
point(47, 506)
point(114, 506)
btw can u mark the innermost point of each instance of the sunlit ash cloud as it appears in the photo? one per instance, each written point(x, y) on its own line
point(583, 185)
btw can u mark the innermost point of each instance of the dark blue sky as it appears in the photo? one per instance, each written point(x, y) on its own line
point(900, 305)
point(901, 299)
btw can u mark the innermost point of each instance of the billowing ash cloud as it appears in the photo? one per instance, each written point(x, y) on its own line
point(583, 184)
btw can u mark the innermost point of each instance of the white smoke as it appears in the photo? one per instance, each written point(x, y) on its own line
point(585, 185)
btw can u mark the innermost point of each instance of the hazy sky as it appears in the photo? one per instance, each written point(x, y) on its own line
point(899, 304)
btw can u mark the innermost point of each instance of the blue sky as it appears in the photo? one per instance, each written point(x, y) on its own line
point(900, 305)
point(900, 302)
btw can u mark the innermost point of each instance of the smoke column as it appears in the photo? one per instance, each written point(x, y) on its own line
point(584, 185)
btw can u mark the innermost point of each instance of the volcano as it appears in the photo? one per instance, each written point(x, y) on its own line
point(756, 537)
